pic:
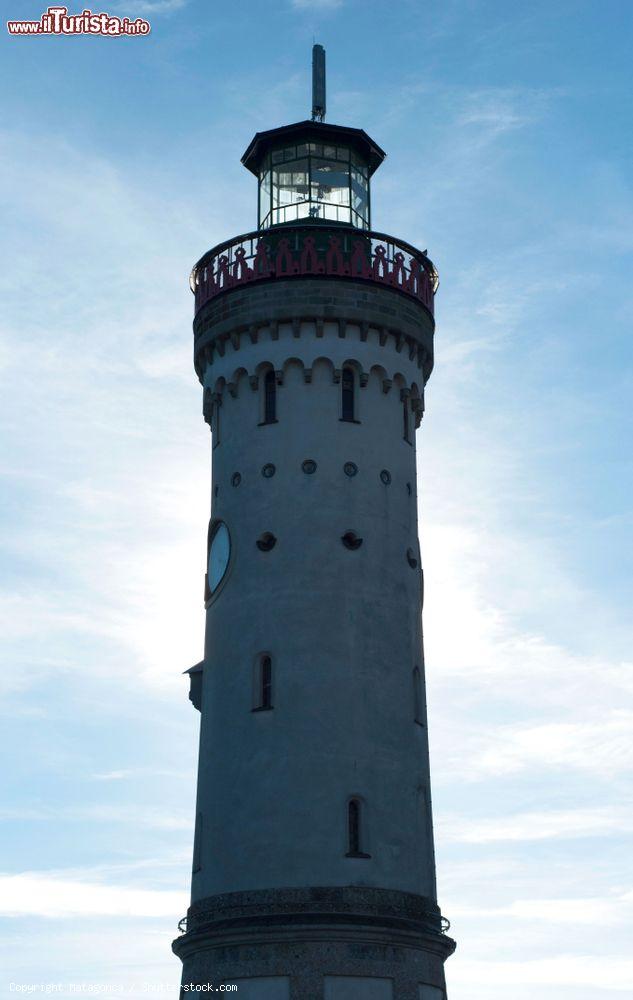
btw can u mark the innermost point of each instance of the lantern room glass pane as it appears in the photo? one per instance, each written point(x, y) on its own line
point(264, 197)
point(322, 182)
point(330, 182)
point(359, 191)
point(290, 183)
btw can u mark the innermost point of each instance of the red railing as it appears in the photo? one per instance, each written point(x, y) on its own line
point(309, 250)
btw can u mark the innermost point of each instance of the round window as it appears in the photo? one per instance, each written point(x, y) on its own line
point(219, 555)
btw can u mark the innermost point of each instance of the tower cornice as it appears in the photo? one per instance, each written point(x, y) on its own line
point(395, 333)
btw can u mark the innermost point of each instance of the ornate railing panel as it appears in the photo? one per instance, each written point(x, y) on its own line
point(306, 251)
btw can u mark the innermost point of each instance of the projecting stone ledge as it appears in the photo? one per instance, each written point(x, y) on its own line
point(281, 934)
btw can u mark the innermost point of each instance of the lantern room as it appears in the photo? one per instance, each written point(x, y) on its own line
point(313, 173)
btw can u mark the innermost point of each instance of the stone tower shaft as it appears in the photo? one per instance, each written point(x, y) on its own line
point(314, 872)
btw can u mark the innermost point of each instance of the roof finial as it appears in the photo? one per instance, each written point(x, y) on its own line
point(318, 83)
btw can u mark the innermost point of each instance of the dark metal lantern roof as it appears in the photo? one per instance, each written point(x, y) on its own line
point(312, 132)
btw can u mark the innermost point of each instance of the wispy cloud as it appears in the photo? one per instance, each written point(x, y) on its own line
point(603, 746)
point(565, 969)
point(316, 5)
point(145, 8)
point(126, 814)
point(611, 910)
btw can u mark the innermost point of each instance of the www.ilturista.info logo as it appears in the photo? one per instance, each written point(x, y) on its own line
point(57, 21)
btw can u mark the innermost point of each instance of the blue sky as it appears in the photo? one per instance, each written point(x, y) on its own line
point(508, 134)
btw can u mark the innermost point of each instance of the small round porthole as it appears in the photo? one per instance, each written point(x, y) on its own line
point(351, 540)
point(268, 470)
point(266, 542)
point(236, 479)
point(309, 466)
point(350, 469)
point(411, 558)
point(385, 476)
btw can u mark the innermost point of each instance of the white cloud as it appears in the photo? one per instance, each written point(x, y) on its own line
point(553, 824)
point(44, 895)
point(565, 969)
point(604, 746)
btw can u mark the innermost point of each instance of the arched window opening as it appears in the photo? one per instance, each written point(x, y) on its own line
point(355, 832)
point(347, 394)
point(406, 428)
point(418, 705)
point(353, 826)
point(215, 423)
point(263, 684)
point(270, 397)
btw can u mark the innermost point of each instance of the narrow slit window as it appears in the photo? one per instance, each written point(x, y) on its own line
point(270, 397)
point(347, 395)
point(405, 421)
point(355, 835)
point(263, 684)
point(353, 826)
point(266, 682)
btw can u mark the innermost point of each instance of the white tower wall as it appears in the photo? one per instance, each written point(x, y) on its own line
point(343, 628)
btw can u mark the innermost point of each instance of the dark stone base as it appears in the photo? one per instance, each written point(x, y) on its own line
point(310, 933)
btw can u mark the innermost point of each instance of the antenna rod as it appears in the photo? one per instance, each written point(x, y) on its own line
point(318, 83)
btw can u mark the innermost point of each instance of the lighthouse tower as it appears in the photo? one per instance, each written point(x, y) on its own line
point(313, 862)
